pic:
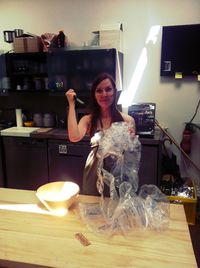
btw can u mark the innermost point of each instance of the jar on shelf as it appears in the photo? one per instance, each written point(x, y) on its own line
point(49, 120)
point(38, 120)
point(38, 83)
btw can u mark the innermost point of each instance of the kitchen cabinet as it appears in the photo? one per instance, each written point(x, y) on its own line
point(26, 165)
point(4, 80)
point(78, 68)
point(59, 69)
point(46, 157)
point(37, 81)
point(150, 165)
point(66, 160)
point(2, 179)
point(27, 71)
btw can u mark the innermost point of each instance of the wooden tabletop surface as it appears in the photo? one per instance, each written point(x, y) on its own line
point(31, 237)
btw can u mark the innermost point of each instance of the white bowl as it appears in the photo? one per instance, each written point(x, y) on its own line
point(58, 196)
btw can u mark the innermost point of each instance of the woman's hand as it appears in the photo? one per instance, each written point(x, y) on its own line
point(131, 124)
point(131, 129)
point(70, 95)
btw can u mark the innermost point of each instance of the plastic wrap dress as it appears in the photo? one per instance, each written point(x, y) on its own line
point(108, 161)
point(90, 172)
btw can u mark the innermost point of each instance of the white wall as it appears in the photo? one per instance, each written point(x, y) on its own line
point(176, 100)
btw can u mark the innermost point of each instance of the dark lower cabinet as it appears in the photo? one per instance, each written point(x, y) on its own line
point(2, 177)
point(31, 162)
point(150, 164)
point(67, 160)
point(26, 164)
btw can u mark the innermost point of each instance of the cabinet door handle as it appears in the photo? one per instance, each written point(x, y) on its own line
point(62, 149)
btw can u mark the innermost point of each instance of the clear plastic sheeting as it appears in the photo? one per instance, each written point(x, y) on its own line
point(156, 206)
point(119, 159)
point(129, 212)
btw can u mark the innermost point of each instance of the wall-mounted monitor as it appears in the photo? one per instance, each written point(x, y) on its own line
point(180, 50)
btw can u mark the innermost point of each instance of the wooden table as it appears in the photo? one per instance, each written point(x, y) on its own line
point(32, 237)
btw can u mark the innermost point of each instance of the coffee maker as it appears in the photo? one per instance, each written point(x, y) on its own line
point(144, 116)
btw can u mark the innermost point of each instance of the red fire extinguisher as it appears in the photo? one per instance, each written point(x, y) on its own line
point(187, 139)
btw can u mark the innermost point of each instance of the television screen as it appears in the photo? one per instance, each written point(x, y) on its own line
point(180, 50)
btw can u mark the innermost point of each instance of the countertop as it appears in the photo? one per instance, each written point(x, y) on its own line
point(61, 134)
point(31, 237)
point(36, 132)
point(54, 133)
point(18, 131)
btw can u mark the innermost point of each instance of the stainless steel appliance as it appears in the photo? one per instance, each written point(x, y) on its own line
point(144, 115)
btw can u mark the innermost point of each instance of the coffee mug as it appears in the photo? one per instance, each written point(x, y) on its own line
point(18, 32)
point(8, 36)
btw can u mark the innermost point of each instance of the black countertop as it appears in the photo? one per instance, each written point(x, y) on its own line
point(61, 134)
point(54, 133)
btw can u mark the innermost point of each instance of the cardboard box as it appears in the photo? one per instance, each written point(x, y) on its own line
point(27, 44)
point(110, 36)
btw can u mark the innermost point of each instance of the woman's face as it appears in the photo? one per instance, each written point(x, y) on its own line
point(105, 93)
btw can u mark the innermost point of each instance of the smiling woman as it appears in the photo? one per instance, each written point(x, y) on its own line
point(102, 113)
point(108, 90)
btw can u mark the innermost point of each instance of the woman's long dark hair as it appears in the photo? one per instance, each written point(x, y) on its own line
point(94, 108)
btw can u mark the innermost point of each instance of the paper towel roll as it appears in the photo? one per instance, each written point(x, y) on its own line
point(18, 113)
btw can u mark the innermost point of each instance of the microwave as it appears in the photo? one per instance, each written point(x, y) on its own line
point(144, 116)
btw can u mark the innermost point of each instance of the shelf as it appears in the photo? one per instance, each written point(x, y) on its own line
point(35, 91)
point(60, 69)
point(29, 74)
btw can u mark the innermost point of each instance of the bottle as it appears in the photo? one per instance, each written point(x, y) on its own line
point(61, 39)
point(18, 113)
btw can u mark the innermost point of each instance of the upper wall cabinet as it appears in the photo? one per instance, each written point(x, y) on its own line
point(59, 69)
point(4, 79)
point(27, 71)
point(77, 68)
